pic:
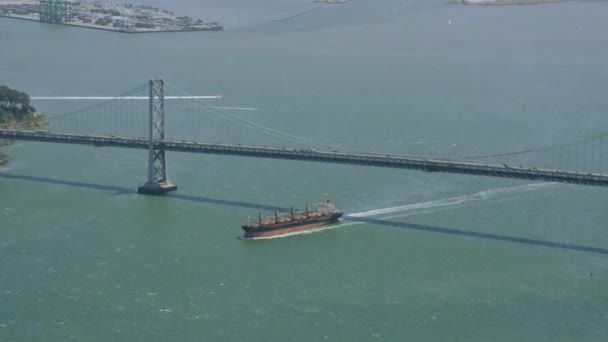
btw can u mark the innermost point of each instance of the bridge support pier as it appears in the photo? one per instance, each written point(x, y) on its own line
point(157, 183)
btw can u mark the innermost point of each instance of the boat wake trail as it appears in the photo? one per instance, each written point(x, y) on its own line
point(297, 15)
point(452, 202)
point(237, 108)
point(95, 98)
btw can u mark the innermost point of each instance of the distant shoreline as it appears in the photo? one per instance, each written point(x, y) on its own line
point(101, 28)
point(512, 2)
point(123, 18)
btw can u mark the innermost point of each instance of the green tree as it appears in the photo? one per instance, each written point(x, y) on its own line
point(15, 102)
point(5, 116)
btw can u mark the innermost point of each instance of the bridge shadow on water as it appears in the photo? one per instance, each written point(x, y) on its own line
point(402, 225)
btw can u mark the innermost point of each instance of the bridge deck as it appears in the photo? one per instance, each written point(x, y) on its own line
point(370, 159)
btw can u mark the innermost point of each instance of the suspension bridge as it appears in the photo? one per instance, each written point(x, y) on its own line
point(579, 162)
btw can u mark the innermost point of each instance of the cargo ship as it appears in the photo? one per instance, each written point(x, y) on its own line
point(295, 221)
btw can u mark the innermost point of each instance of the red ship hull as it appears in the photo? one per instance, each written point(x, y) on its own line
point(289, 227)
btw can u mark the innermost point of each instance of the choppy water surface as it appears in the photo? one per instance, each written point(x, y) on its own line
point(85, 258)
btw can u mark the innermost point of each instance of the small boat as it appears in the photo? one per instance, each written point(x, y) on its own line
point(295, 221)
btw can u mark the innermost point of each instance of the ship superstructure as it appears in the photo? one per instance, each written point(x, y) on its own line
point(294, 221)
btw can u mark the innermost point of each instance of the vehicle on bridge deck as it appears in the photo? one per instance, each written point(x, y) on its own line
point(295, 221)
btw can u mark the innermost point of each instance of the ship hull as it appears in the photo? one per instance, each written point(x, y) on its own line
point(291, 227)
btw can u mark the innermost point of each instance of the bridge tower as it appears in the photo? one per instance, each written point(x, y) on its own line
point(157, 183)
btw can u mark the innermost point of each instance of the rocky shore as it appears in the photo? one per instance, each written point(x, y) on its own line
point(37, 121)
point(3, 158)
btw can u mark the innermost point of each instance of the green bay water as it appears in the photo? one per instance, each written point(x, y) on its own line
point(84, 258)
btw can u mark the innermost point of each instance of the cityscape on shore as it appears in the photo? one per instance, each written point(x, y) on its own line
point(112, 17)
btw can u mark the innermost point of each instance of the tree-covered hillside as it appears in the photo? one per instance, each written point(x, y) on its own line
point(15, 106)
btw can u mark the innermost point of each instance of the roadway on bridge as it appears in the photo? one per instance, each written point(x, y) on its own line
point(330, 156)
